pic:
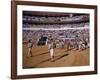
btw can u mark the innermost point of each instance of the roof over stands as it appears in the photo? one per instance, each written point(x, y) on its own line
point(49, 14)
point(54, 14)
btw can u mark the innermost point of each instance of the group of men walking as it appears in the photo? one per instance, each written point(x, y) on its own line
point(50, 42)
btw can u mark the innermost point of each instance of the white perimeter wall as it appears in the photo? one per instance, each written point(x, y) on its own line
point(5, 40)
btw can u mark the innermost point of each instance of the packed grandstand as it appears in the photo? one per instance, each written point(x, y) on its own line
point(70, 28)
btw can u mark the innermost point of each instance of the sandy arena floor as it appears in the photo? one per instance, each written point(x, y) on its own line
point(63, 58)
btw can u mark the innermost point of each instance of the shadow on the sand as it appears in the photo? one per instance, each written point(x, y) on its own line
point(55, 59)
point(41, 54)
point(68, 50)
